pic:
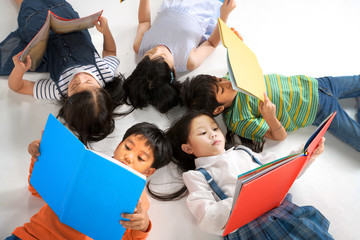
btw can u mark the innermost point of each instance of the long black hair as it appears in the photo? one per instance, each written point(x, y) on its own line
point(89, 114)
point(178, 134)
point(152, 83)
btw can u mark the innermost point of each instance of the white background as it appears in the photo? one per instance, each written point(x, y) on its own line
point(315, 38)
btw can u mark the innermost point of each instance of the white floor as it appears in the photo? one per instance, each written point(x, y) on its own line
point(316, 38)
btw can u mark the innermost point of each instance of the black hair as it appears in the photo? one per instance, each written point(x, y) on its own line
point(156, 139)
point(199, 93)
point(115, 89)
point(151, 83)
point(178, 134)
point(89, 114)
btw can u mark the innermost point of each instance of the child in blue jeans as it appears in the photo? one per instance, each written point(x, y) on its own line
point(80, 79)
point(198, 143)
point(290, 103)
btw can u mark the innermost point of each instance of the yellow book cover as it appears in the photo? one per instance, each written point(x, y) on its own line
point(245, 72)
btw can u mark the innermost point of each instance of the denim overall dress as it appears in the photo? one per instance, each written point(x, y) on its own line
point(63, 50)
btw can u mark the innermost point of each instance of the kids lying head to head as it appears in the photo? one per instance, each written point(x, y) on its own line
point(182, 36)
point(198, 142)
point(144, 148)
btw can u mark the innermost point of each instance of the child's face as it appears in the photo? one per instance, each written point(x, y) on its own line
point(163, 52)
point(225, 94)
point(205, 138)
point(81, 82)
point(135, 153)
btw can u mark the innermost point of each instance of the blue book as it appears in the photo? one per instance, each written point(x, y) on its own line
point(88, 191)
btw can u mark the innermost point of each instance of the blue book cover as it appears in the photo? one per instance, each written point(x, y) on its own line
point(88, 191)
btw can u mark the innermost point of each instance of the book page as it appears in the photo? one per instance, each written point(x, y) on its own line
point(118, 163)
point(37, 46)
point(62, 25)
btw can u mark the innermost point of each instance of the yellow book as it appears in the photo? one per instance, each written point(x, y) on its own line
point(245, 72)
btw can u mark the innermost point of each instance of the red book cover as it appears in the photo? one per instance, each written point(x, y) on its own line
point(264, 188)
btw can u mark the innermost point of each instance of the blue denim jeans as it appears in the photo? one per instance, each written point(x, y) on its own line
point(331, 90)
point(12, 237)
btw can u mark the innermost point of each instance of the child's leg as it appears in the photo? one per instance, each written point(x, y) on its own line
point(331, 90)
point(341, 87)
point(288, 221)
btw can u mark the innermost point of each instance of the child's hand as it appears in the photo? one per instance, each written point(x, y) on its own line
point(318, 150)
point(19, 65)
point(226, 9)
point(237, 33)
point(267, 108)
point(33, 149)
point(102, 25)
point(139, 220)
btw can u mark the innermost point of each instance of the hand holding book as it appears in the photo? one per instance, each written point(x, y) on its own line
point(88, 191)
point(245, 72)
point(272, 181)
point(37, 46)
point(139, 220)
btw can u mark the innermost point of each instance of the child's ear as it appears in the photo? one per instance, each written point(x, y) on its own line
point(218, 110)
point(186, 148)
point(149, 172)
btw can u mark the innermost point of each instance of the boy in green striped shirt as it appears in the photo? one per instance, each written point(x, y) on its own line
point(290, 103)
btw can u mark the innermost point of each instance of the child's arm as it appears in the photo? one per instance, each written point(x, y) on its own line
point(33, 149)
point(144, 17)
point(140, 224)
point(109, 46)
point(198, 55)
point(276, 130)
point(211, 215)
point(16, 81)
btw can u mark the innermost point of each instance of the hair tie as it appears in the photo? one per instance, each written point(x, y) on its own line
point(172, 77)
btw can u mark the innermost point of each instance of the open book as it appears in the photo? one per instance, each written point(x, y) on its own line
point(264, 188)
point(245, 73)
point(87, 191)
point(37, 46)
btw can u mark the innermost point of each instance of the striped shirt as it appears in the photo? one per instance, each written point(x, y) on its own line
point(46, 88)
point(296, 100)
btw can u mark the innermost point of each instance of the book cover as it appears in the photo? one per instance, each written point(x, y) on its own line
point(245, 72)
point(88, 191)
point(36, 48)
point(264, 188)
